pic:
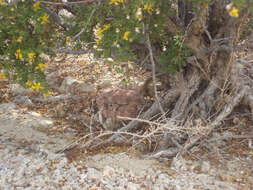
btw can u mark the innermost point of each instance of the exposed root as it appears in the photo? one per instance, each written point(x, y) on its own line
point(187, 91)
point(225, 112)
point(201, 97)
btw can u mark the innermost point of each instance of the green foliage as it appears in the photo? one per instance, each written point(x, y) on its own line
point(174, 54)
point(26, 33)
point(113, 27)
point(119, 25)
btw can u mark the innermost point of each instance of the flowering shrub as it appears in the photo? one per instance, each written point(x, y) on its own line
point(119, 25)
point(26, 33)
point(111, 27)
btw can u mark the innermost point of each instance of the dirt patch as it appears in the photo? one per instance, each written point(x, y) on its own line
point(122, 160)
point(30, 128)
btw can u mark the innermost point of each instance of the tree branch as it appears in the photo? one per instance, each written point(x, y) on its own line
point(56, 18)
point(153, 76)
point(84, 28)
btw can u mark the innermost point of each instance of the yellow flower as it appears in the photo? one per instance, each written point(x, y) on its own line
point(46, 94)
point(148, 8)
point(234, 12)
point(44, 19)
point(36, 6)
point(98, 41)
point(20, 38)
point(36, 86)
point(97, 71)
point(2, 2)
point(31, 57)
point(138, 14)
point(18, 54)
point(2, 76)
point(41, 66)
point(126, 34)
point(116, 2)
point(101, 30)
point(28, 83)
point(67, 40)
point(106, 27)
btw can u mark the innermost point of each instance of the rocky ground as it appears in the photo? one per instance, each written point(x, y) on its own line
point(29, 161)
point(32, 135)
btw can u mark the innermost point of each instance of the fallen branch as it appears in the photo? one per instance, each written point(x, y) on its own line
point(103, 134)
point(169, 98)
point(231, 137)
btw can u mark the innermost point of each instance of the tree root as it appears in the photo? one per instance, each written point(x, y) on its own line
point(188, 89)
point(223, 114)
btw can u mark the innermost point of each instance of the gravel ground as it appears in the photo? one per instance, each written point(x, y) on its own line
point(23, 169)
point(28, 161)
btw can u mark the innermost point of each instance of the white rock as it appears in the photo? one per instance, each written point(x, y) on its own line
point(23, 100)
point(73, 86)
point(105, 84)
point(83, 87)
point(205, 166)
point(108, 171)
point(54, 80)
point(65, 13)
point(158, 187)
point(132, 186)
point(109, 187)
point(66, 84)
point(163, 177)
point(17, 89)
point(7, 107)
point(93, 173)
point(179, 163)
point(45, 57)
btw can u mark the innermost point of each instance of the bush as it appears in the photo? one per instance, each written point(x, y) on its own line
point(113, 27)
point(26, 34)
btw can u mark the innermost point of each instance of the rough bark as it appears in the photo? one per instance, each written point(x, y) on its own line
point(220, 82)
point(215, 81)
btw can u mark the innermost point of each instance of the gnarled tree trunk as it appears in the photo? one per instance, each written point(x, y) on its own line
point(215, 80)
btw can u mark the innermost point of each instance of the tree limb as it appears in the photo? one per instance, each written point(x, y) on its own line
point(153, 76)
point(56, 18)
